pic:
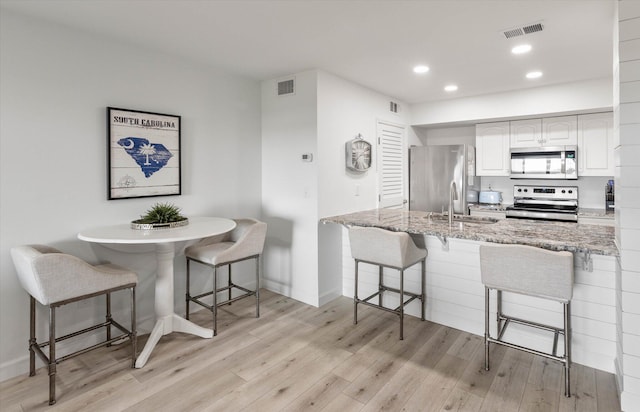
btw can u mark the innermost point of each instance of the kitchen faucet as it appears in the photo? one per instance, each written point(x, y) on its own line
point(453, 195)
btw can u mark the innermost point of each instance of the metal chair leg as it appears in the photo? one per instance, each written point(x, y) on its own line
point(355, 297)
point(52, 355)
point(401, 304)
point(187, 296)
point(486, 328)
point(32, 336)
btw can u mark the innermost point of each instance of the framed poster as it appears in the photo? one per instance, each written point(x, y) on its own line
point(144, 153)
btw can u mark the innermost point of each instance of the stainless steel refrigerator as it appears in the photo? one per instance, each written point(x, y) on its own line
point(431, 171)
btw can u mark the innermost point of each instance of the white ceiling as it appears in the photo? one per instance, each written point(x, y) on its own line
point(373, 43)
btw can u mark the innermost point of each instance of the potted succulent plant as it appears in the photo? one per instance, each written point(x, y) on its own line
point(161, 215)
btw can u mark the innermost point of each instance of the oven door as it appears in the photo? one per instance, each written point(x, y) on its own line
point(566, 210)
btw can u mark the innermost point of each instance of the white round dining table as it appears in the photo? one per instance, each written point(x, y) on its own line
point(167, 321)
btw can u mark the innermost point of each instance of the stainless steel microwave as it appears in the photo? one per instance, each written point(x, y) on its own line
point(559, 162)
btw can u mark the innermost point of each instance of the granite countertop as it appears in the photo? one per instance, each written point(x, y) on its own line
point(572, 237)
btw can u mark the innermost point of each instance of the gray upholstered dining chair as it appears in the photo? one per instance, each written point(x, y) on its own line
point(394, 250)
point(531, 271)
point(244, 242)
point(55, 279)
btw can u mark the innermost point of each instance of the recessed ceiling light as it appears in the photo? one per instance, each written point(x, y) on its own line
point(451, 88)
point(521, 49)
point(534, 75)
point(421, 69)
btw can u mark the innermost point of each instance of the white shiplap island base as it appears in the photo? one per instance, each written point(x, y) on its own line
point(455, 294)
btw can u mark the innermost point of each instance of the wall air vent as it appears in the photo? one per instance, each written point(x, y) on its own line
point(393, 107)
point(522, 30)
point(286, 87)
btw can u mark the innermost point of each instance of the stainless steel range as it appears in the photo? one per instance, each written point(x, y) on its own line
point(544, 202)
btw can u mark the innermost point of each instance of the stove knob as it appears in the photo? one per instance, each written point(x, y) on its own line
point(519, 190)
point(564, 191)
point(570, 191)
point(526, 190)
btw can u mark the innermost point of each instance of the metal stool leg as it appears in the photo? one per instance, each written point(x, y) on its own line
point(52, 355)
point(32, 336)
point(215, 300)
point(380, 284)
point(355, 297)
point(401, 304)
point(229, 281)
point(187, 295)
point(567, 349)
point(486, 328)
point(258, 286)
point(423, 280)
point(108, 317)
point(134, 331)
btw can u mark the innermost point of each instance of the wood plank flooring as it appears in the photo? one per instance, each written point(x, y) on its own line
point(300, 358)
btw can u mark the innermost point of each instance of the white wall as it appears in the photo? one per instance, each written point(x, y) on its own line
point(290, 188)
point(345, 110)
point(55, 86)
point(591, 95)
point(627, 155)
point(301, 259)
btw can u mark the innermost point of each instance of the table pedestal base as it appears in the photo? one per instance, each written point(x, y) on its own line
point(166, 325)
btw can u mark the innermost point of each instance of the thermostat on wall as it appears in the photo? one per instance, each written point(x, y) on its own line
point(307, 157)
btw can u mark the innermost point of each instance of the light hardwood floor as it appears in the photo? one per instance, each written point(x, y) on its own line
point(300, 358)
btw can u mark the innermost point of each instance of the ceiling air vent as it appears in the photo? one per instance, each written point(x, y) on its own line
point(522, 30)
point(286, 87)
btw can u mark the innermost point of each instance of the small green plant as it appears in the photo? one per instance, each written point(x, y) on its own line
point(161, 213)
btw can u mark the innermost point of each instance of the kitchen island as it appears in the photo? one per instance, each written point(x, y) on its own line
point(455, 294)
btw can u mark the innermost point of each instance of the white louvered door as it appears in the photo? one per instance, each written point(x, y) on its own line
point(391, 165)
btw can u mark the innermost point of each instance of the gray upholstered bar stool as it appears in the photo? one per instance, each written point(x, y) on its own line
point(394, 250)
point(534, 272)
point(244, 242)
point(55, 279)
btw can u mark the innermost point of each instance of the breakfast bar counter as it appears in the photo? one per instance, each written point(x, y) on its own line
point(455, 293)
point(572, 237)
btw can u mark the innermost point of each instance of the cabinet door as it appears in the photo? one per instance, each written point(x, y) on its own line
point(492, 149)
point(526, 133)
point(560, 131)
point(595, 145)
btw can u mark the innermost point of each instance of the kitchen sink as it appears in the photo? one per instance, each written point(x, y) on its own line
point(462, 219)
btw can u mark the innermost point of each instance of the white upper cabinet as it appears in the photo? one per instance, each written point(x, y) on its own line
point(526, 133)
point(492, 149)
point(560, 131)
point(595, 145)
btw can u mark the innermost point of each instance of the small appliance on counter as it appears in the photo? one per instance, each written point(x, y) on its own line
point(609, 195)
point(490, 197)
